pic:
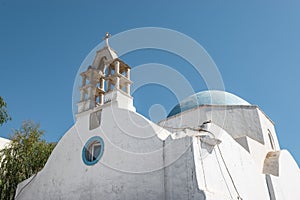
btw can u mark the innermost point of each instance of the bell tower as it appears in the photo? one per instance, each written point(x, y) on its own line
point(106, 82)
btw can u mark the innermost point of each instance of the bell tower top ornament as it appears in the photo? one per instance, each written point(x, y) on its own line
point(107, 35)
point(106, 81)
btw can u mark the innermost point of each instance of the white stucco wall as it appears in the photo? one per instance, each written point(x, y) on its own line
point(249, 126)
point(238, 121)
point(131, 167)
point(180, 171)
point(246, 124)
point(213, 176)
point(144, 161)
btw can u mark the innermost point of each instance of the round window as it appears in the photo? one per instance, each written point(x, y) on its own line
point(92, 150)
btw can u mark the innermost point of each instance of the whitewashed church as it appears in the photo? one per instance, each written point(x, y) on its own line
point(212, 146)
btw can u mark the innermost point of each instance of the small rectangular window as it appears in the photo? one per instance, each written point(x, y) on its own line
point(95, 119)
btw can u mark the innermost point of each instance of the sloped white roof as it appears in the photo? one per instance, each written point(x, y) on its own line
point(3, 142)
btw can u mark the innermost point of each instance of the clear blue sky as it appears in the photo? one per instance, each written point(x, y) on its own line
point(255, 45)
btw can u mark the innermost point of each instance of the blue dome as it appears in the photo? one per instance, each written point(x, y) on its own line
point(209, 97)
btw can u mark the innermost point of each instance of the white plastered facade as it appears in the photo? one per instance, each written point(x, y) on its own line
point(227, 157)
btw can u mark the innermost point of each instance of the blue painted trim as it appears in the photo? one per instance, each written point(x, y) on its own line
point(92, 139)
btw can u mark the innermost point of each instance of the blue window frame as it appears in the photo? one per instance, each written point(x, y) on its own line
point(93, 150)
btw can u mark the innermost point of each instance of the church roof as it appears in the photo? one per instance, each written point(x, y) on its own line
point(209, 97)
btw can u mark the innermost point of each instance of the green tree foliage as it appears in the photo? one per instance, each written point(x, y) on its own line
point(4, 117)
point(26, 154)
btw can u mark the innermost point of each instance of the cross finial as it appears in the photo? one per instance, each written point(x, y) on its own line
point(107, 35)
